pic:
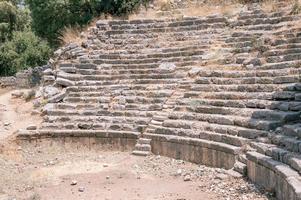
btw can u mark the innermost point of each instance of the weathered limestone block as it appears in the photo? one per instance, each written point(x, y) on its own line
point(58, 97)
point(50, 91)
point(194, 71)
point(252, 61)
point(167, 67)
point(48, 72)
point(64, 82)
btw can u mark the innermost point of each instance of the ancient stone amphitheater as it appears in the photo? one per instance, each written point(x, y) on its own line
point(219, 91)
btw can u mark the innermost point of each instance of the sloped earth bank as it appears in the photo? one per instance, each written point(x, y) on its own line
point(67, 171)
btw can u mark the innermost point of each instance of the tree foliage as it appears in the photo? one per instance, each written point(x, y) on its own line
point(51, 16)
point(24, 50)
point(8, 20)
point(20, 48)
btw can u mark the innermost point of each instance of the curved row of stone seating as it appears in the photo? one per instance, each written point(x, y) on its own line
point(120, 97)
point(226, 117)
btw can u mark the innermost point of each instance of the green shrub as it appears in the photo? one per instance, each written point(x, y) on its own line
point(8, 19)
point(120, 7)
point(12, 19)
point(50, 17)
point(24, 50)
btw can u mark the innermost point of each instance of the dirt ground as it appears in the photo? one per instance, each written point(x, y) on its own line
point(15, 114)
point(50, 172)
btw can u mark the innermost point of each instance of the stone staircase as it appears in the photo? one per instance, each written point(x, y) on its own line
point(213, 90)
point(143, 147)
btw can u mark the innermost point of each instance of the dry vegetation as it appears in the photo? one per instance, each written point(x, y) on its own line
point(167, 8)
point(70, 35)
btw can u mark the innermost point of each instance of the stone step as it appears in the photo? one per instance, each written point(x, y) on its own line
point(286, 41)
point(196, 142)
point(265, 27)
point(250, 80)
point(248, 73)
point(143, 147)
point(77, 77)
point(166, 23)
point(283, 48)
point(284, 58)
point(283, 52)
point(155, 102)
point(243, 159)
point(242, 87)
point(148, 31)
point(144, 141)
point(141, 153)
point(117, 126)
point(233, 95)
point(281, 172)
point(205, 135)
point(81, 133)
point(278, 65)
point(99, 113)
point(241, 168)
point(118, 54)
point(153, 80)
point(160, 118)
point(244, 103)
point(227, 120)
point(170, 57)
point(157, 123)
point(120, 89)
point(92, 64)
point(150, 130)
point(114, 72)
point(280, 154)
point(243, 112)
point(171, 40)
point(264, 21)
point(263, 18)
point(293, 130)
point(287, 142)
point(215, 127)
point(129, 100)
point(185, 21)
point(186, 50)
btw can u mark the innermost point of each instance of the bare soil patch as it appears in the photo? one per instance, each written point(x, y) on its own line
point(56, 171)
point(15, 114)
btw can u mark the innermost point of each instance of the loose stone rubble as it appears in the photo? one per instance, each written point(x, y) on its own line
point(167, 80)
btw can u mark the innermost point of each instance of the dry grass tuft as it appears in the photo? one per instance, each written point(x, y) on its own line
point(269, 6)
point(296, 7)
point(164, 5)
point(71, 35)
point(205, 10)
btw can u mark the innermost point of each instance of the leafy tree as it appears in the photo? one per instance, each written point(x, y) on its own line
point(120, 7)
point(8, 20)
point(23, 51)
point(12, 19)
point(50, 17)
